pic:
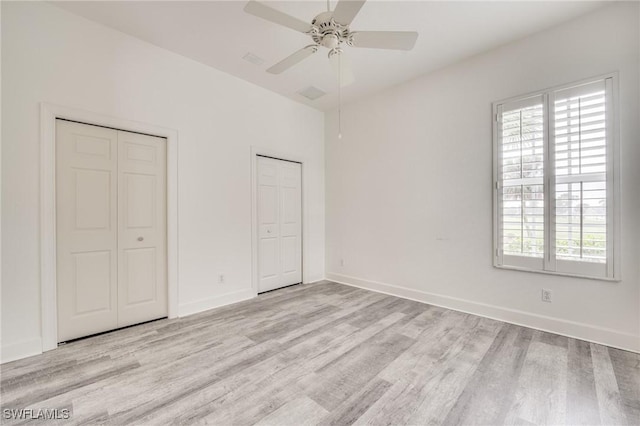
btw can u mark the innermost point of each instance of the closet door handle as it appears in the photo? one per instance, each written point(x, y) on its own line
point(140, 238)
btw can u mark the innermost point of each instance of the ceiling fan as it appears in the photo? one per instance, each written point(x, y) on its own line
point(330, 29)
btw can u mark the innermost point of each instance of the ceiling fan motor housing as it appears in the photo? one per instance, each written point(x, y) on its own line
point(329, 33)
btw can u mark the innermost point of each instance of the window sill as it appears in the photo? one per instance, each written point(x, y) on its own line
point(561, 274)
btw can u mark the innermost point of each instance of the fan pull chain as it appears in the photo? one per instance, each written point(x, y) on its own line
point(340, 96)
point(328, 6)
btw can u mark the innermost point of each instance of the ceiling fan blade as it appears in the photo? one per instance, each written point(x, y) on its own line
point(395, 40)
point(342, 67)
point(293, 59)
point(346, 10)
point(270, 14)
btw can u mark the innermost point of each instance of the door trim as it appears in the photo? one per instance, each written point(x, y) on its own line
point(266, 152)
point(48, 298)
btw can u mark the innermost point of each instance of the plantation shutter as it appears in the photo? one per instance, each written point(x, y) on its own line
point(520, 183)
point(580, 151)
point(554, 197)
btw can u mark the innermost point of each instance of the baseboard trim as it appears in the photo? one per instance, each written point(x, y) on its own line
point(24, 349)
point(577, 330)
point(313, 280)
point(215, 302)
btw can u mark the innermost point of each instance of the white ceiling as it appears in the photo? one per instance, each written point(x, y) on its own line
point(220, 33)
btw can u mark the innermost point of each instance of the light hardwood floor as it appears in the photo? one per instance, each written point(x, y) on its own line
point(329, 354)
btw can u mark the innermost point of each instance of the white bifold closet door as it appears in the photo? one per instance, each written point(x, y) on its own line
point(279, 223)
point(111, 229)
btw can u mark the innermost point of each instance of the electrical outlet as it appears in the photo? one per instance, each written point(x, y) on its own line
point(221, 279)
point(341, 262)
point(546, 295)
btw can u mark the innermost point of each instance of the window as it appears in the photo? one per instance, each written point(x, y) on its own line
point(554, 181)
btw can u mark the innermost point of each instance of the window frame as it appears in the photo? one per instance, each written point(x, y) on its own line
point(548, 264)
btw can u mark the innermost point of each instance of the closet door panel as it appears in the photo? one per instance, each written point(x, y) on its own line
point(290, 223)
point(142, 276)
point(268, 225)
point(86, 229)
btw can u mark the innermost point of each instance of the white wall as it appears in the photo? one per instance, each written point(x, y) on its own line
point(52, 56)
point(409, 187)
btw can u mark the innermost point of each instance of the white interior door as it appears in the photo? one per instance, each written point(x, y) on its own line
point(279, 208)
point(111, 229)
point(142, 270)
point(87, 233)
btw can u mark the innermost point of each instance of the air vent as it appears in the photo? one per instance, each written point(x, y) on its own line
point(312, 93)
point(254, 59)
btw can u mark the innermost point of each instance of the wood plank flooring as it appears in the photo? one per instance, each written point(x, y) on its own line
point(332, 355)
